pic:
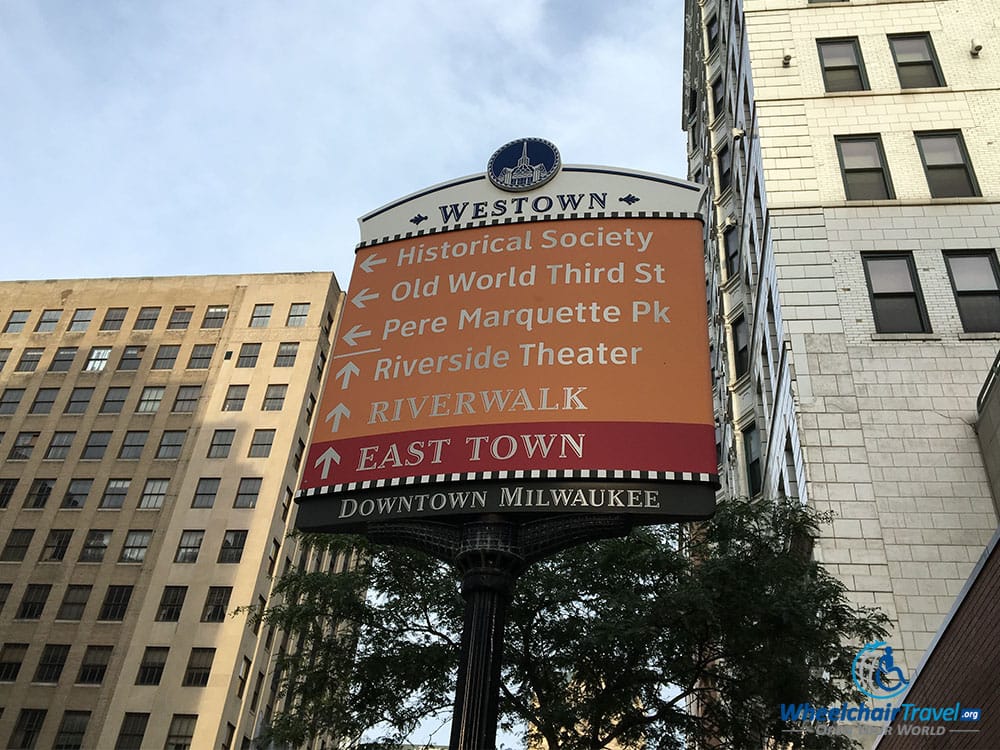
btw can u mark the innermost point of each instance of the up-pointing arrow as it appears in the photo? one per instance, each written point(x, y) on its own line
point(369, 263)
point(336, 413)
point(325, 458)
point(352, 336)
point(345, 372)
point(361, 297)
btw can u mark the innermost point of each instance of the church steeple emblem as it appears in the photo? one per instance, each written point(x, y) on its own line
point(523, 164)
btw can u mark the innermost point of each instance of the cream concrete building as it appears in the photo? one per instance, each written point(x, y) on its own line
point(151, 431)
point(854, 218)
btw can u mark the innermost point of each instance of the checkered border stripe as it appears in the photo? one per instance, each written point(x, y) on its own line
point(531, 219)
point(485, 476)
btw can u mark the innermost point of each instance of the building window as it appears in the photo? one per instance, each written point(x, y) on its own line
point(153, 494)
point(43, 401)
point(4, 356)
point(17, 545)
point(114, 318)
point(16, 321)
point(233, 543)
point(260, 446)
point(59, 446)
point(97, 443)
point(74, 602)
point(241, 684)
point(95, 545)
point(23, 445)
point(180, 318)
point(205, 492)
point(731, 242)
point(33, 601)
point(10, 400)
point(166, 356)
point(131, 358)
point(843, 68)
point(741, 346)
point(94, 665)
point(897, 303)
point(97, 359)
point(274, 397)
point(181, 732)
point(29, 360)
point(114, 400)
point(27, 728)
point(916, 63)
point(63, 359)
point(115, 603)
point(154, 659)
point(79, 400)
point(751, 450)
point(222, 441)
point(712, 33)
point(946, 164)
point(81, 319)
point(72, 730)
point(297, 315)
point(201, 356)
point(56, 544)
point(187, 399)
point(976, 282)
point(198, 668)
point(248, 355)
point(171, 603)
point(132, 444)
point(215, 316)
point(718, 97)
point(47, 323)
point(11, 658)
point(189, 546)
point(146, 319)
point(236, 396)
point(76, 493)
point(862, 165)
point(171, 444)
point(136, 544)
point(286, 354)
point(7, 487)
point(114, 493)
point(255, 696)
point(51, 662)
point(216, 604)
point(132, 731)
point(246, 494)
point(38, 493)
point(149, 399)
point(261, 316)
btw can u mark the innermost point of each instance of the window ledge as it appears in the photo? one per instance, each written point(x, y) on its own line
point(981, 336)
point(906, 337)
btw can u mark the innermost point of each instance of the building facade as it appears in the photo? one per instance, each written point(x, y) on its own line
point(151, 432)
point(853, 224)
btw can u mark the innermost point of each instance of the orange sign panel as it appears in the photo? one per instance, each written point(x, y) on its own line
point(532, 347)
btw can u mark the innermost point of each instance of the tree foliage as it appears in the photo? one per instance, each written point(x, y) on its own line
point(611, 641)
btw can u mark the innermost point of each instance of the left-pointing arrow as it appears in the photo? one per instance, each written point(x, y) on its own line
point(326, 458)
point(345, 372)
point(363, 296)
point(352, 336)
point(336, 413)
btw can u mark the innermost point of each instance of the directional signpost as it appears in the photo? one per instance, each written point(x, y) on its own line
point(521, 365)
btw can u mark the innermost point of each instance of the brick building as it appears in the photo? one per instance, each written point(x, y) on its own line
point(854, 217)
point(150, 438)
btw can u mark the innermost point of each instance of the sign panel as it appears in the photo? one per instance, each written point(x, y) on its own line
point(478, 358)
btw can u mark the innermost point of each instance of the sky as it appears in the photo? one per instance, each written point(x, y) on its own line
point(191, 137)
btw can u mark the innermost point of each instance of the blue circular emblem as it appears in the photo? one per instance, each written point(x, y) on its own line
point(523, 164)
point(875, 672)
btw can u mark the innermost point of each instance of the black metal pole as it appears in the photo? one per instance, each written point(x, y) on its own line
point(489, 565)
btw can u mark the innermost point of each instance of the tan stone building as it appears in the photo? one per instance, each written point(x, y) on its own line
point(853, 280)
point(151, 431)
